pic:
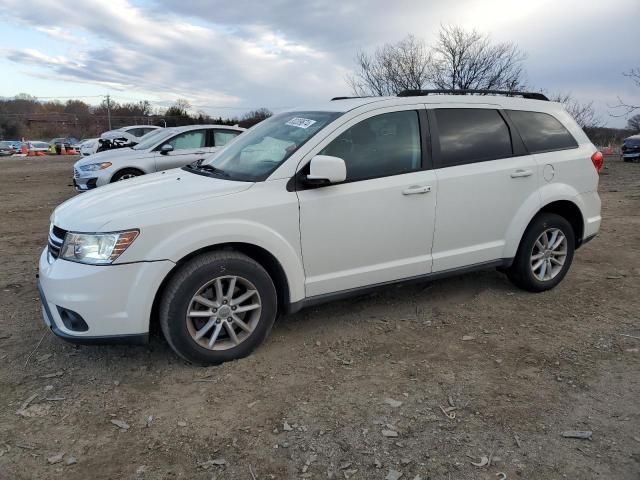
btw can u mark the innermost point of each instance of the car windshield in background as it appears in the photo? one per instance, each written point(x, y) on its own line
point(152, 138)
point(254, 155)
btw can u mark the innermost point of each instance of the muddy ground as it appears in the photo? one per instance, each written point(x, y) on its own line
point(318, 398)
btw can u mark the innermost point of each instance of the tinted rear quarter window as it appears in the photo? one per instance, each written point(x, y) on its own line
point(468, 135)
point(541, 132)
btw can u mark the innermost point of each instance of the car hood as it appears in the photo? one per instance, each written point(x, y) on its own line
point(111, 155)
point(112, 204)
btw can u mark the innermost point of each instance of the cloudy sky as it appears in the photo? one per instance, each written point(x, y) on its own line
point(226, 57)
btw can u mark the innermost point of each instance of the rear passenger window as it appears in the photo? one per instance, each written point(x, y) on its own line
point(222, 137)
point(380, 146)
point(469, 135)
point(541, 132)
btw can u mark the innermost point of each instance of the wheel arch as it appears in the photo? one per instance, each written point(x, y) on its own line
point(560, 199)
point(265, 258)
point(122, 169)
point(569, 211)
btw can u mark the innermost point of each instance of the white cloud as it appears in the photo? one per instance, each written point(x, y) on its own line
point(285, 52)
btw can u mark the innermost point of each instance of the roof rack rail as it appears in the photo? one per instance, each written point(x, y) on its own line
point(349, 98)
point(507, 93)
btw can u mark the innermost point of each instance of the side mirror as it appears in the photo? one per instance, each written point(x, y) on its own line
point(325, 169)
point(166, 148)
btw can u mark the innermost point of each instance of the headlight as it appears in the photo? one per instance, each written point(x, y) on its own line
point(96, 248)
point(95, 166)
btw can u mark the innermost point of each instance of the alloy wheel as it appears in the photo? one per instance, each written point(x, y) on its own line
point(223, 312)
point(548, 254)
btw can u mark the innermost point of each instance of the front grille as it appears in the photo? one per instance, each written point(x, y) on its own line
point(56, 238)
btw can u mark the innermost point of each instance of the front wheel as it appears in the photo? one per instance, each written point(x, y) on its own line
point(544, 255)
point(218, 307)
point(126, 174)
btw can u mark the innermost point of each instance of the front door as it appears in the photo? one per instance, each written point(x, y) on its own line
point(377, 226)
point(187, 146)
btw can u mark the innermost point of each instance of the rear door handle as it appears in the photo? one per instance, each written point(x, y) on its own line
point(521, 173)
point(200, 153)
point(416, 189)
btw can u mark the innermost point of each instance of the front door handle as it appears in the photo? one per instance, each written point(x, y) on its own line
point(521, 173)
point(416, 189)
point(200, 153)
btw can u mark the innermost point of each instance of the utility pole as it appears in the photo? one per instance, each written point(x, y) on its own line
point(109, 111)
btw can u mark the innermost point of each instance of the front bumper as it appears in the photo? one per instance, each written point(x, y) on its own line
point(114, 301)
point(82, 184)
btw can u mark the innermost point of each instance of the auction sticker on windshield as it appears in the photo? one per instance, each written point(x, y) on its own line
point(300, 122)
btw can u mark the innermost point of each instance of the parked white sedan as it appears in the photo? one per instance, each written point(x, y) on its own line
point(89, 147)
point(130, 134)
point(160, 149)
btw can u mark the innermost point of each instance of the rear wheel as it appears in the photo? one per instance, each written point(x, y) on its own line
point(218, 307)
point(544, 255)
point(125, 174)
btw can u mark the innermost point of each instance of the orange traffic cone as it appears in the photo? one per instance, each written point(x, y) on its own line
point(63, 151)
point(608, 150)
point(23, 148)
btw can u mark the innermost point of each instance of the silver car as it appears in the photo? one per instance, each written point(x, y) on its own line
point(158, 150)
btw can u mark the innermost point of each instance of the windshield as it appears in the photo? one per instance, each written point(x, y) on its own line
point(152, 138)
point(255, 154)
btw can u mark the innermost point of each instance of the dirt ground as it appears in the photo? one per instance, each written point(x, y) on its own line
point(320, 398)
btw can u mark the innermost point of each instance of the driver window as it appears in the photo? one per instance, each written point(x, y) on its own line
point(189, 140)
point(380, 146)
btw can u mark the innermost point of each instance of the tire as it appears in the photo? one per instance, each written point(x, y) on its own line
point(522, 272)
point(200, 276)
point(125, 174)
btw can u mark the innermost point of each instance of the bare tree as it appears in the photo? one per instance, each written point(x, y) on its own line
point(634, 123)
point(460, 59)
point(583, 113)
point(628, 109)
point(463, 59)
point(391, 68)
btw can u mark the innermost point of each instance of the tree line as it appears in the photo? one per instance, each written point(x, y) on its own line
point(27, 116)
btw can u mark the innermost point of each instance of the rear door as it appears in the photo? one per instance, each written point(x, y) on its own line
point(484, 177)
point(222, 136)
point(187, 146)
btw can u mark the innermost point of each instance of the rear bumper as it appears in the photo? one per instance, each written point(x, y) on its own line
point(590, 206)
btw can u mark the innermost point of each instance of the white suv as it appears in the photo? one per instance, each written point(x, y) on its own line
point(319, 203)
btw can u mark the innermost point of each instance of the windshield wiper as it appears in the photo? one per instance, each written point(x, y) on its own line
point(212, 169)
point(209, 168)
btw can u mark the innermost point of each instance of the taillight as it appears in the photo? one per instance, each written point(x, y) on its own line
point(598, 160)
